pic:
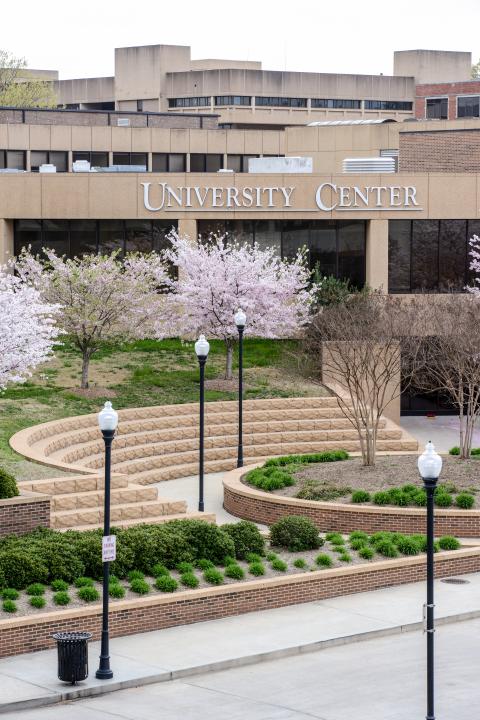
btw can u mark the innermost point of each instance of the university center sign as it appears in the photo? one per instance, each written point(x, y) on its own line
point(327, 197)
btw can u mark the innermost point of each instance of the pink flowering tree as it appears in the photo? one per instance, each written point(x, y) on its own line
point(27, 329)
point(215, 279)
point(101, 298)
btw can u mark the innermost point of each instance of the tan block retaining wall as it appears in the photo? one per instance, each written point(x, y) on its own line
point(251, 504)
point(127, 617)
point(24, 513)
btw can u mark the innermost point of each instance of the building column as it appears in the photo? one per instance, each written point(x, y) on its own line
point(6, 240)
point(188, 226)
point(377, 254)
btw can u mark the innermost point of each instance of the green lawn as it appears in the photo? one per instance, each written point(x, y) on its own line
point(138, 374)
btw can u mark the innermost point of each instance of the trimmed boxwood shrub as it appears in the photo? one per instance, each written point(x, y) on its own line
point(204, 564)
point(115, 590)
point(89, 548)
point(213, 576)
point(269, 478)
point(300, 563)
point(149, 545)
point(88, 593)
point(183, 567)
point(256, 568)
point(443, 499)
point(135, 575)
point(381, 498)
point(61, 598)
point(234, 571)
point(9, 606)
point(8, 485)
point(295, 533)
point(465, 501)
point(10, 594)
point(253, 557)
point(420, 498)
point(20, 569)
point(189, 579)
point(159, 569)
point(448, 542)
point(246, 538)
point(398, 497)
point(83, 582)
point(206, 539)
point(329, 456)
point(139, 586)
point(279, 565)
point(166, 583)
point(36, 589)
point(360, 496)
point(37, 601)
point(59, 585)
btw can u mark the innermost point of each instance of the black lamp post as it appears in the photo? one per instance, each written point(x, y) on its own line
point(201, 348)
point(240, 322)
point(430, 466)
point(108, 421)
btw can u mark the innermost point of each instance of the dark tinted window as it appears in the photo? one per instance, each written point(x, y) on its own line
point(336, 103)
point(468, 106)
point(437, 108)
point(233, 100)
point(387, 105)
point(96, 159)
point(200, 162)
point(281, 102)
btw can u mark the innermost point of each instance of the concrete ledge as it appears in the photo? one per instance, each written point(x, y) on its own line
point(251, 503)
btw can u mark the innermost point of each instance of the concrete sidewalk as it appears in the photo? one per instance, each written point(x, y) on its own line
point(28, 681)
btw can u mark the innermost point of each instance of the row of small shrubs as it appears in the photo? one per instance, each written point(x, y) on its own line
point(45, 555)
point(276, 473)
point(456, 451)
point(413, 495)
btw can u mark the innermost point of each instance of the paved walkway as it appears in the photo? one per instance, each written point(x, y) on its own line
point(187, 489)
point(442, 430)
point(190, 650)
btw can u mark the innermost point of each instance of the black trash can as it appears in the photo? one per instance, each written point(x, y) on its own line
point(72, 655)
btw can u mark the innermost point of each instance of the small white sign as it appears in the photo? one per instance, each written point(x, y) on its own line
point(109, 548)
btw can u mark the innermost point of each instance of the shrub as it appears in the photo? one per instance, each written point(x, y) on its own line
point(88, 545)
point(448, 487)
point(399, 497)
point(59, 585)
point(420, 498)
point(329, 456)
point(295, 533)
point(357, 544)
point(358, 535)
point(139, 586)
point(10, 594)
point(300, 563)
point(323, 560)
point(149, 545)
point(115, 590)
point(37, 601)
point(271, 556)
point(443, 499)
point(159, 569)
point(339, 549)
point(253, 557)
point(381, 536)
point(166, 583)
point(189, 579)
point(235, 571)
point(60, 557)
point(9, 606)
point(279, 564)
point(135, 575)
point(407, 546)
point(61, 598)
point(448, 542)
point(475, 451)
point(88, 593)
point(409, 489)
point(312, 489)
point(35, 589)
point(206, 539)
point(21, 569)
point(83, 582)
point(8, 485)
point(381, 498)
point(360, 496)
point(455, 450)
point(213, 576)
point(269, 478)
point(366, 552)
point(465, 501)
point(387, 549)
point(229, 560)
point(113, 580)
point(335, 538)
point(246, 538)
point(184, 567)
point(345, 557)
point(256, 568)
point(204, 564)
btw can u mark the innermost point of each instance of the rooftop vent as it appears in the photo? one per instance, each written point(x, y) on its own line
point(281, 165)
point(369, 165)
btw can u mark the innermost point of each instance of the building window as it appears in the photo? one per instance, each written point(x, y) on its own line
point(139, 159)
point(336, 104)
point(12, 159)
point(337, 246)
point(75, 238)
point(168, 162)
point(468, 106)
point(200, 162)
point(53, 157)
point(436, 108)
point(189, 102)
point(139, 105)
point(429, 255)
point(281, 102)
point(387, 105)
point(233, 100)
point(239, 163)
point(96, 159)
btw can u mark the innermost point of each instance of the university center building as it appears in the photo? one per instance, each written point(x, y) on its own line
point(387, 200)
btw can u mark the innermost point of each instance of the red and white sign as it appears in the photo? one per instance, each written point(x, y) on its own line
point(109, 548)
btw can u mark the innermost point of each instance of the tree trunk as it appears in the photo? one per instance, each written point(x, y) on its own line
point(85, 366)
point(228, 368)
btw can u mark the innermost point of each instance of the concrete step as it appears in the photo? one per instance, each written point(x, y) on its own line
point(95, 498)
point(73, 484)
point(125, 511)
point(155, 520)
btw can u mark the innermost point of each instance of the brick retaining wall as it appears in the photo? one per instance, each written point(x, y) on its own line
point(251, 504)
point(24, 513)
point(128, 617)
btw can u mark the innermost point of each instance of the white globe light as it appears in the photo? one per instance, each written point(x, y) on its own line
point(240, 318)
point(108, 417)
point(430, 463)
point(202, 346)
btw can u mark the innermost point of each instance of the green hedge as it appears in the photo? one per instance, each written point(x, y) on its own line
point(456, 451)
point(8, 485)
point(276, 473)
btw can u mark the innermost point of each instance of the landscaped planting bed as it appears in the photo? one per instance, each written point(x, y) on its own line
point(181, 555)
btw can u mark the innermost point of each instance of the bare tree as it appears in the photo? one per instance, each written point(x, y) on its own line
point(355, 347)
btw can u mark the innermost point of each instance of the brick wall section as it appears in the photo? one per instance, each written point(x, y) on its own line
point(95, 119)
point(32, 634)
point(451, 90)
point(452, 151)
point(21, 515)
point(251, 504)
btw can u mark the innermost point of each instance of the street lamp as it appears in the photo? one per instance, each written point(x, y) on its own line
point(240, 322)
point(201, 348)
point(108, 421)
point(430, 466)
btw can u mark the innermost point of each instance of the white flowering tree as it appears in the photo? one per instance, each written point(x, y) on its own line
point(217, 278)
point(101, 298)
point(27, 329)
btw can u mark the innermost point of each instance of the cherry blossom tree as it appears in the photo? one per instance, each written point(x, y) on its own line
point(27, 329)
point(217, 278)
point(101, 298)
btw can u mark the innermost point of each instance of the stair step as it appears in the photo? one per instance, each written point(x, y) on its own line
point(155, 520)
point(126, 511)
point(95, 499)
point(77, 484)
